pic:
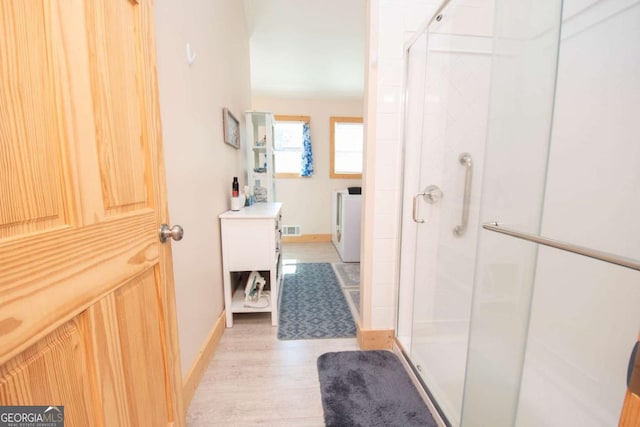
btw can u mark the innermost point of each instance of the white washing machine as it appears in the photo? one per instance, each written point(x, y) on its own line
point(345, 233)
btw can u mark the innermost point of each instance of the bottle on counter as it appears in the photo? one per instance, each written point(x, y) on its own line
point(236, 202)
point(235, 187)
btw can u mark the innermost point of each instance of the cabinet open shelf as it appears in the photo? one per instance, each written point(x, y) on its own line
point(238, 304)
point(259, 153)
point(238, 283)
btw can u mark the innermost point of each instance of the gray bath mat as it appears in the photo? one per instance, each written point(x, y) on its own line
point(369, 388)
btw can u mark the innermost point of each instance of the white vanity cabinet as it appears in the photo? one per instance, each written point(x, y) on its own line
point(251, 241)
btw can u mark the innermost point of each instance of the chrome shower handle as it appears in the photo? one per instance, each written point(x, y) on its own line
point(415, 209)
point(465, 160)
point(432, 194)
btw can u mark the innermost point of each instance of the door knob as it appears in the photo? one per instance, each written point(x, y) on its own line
point(432, 194)
point(176, 233)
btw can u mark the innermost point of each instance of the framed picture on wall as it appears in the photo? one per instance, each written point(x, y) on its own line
point(231, 127)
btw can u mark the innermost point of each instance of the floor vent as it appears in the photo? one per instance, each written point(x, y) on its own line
point(291, 230)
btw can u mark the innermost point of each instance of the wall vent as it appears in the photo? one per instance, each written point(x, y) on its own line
point(291, 230)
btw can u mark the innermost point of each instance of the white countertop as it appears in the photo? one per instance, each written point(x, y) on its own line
point(257, 210)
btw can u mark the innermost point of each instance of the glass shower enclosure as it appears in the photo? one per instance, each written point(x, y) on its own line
point(510, 124)
point(448, 76)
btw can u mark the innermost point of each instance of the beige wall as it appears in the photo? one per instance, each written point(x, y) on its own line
point(307, 201)
point(200, 167)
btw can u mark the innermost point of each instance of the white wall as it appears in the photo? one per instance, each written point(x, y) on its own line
point(307, 201)
point(200, 167)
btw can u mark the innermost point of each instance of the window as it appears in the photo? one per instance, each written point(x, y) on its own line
point(347, 142)
point(287, 145)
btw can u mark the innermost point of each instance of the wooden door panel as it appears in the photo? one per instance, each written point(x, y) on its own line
point(630, 414)
point(82, 195)
point(30, 177)
point(51, 372)
point(130, 361)
point(142, 339)
point(54, 277)
point(106, 360)
point(117, 98)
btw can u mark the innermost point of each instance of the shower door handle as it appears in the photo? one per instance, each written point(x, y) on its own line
point(465, 160)
point(415, 209)
point(432, 194)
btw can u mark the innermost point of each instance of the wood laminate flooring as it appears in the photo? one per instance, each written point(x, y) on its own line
point(255, 379)
point(310, 252)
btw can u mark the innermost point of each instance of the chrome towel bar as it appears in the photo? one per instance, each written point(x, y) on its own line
point(580, 250)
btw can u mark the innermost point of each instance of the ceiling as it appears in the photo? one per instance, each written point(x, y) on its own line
point(307, 48)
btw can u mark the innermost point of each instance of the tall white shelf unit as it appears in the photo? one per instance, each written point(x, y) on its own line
point(260, 157)
point(251, 241)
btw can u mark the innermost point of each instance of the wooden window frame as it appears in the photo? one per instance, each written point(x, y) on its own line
point(288, 118)
point(332, 147)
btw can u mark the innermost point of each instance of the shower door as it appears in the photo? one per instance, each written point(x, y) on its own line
point(505, 331)
point(551, 330)
point(448, 70)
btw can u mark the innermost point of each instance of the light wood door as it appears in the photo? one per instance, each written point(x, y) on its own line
point(87, 313)
point(630, 416)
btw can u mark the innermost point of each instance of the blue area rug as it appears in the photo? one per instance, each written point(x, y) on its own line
point(312, 304)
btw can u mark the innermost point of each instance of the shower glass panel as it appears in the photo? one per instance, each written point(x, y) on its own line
point(504, 331)
point(520, 115)
point(415, 71)
point(565, 363)
point(448, 75)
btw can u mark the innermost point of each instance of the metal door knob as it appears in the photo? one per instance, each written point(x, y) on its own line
point(176, 233)
point(432, 194)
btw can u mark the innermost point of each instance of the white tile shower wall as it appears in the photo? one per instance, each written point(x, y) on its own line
point(388, 157)
point(387, 126)
point(390, 73)
point(417, 12)
point(397, 20)
point(471, 19)
point(389, 98)
point(385, 224)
